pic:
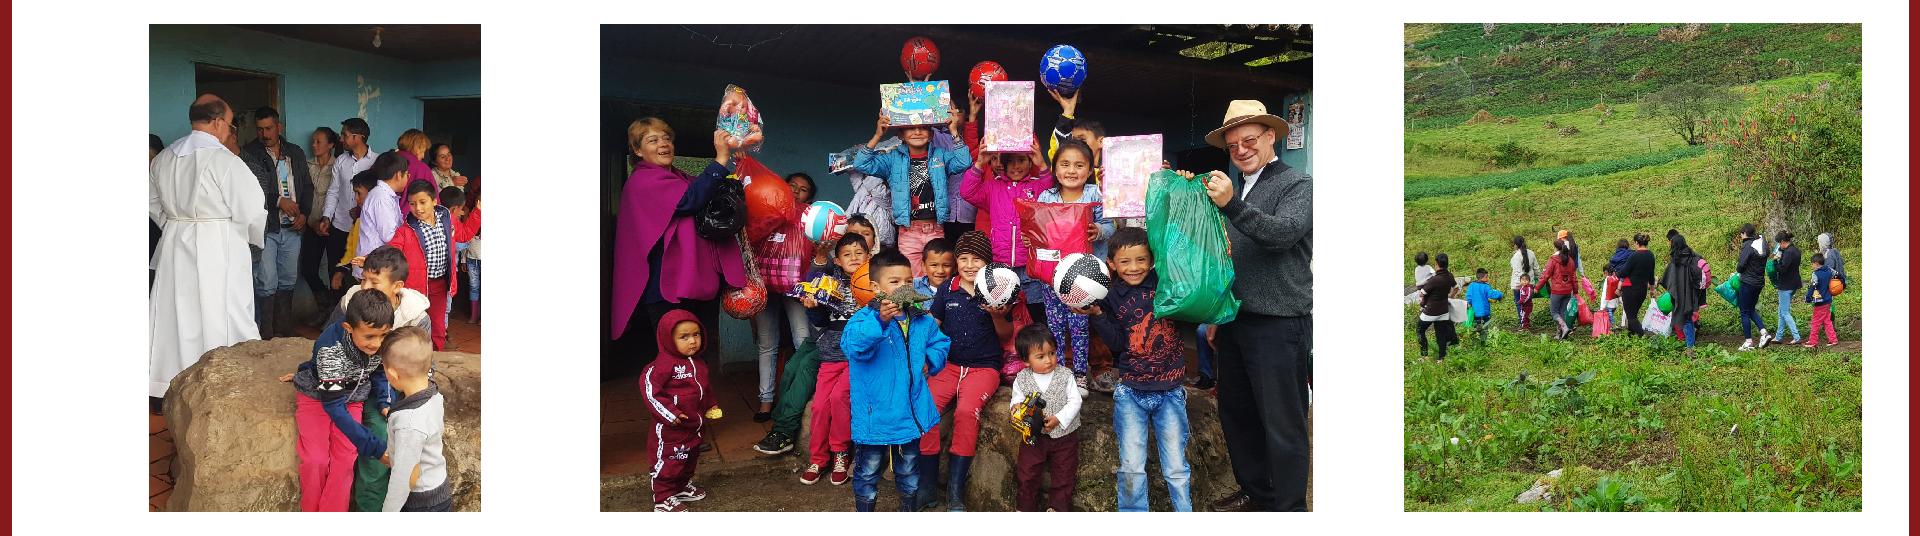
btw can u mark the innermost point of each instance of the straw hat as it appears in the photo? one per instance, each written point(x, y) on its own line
point(1242, 112)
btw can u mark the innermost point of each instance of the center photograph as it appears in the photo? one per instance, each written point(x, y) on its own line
point(917, 268)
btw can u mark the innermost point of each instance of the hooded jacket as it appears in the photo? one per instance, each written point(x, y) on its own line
point(888, 370)
point(1685, 278)
point(673, 384)
point(1560, 274)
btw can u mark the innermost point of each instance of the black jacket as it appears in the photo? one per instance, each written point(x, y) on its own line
point(1437, 288)
point(1753, 264)
point(257, 159)
point(1786, 269)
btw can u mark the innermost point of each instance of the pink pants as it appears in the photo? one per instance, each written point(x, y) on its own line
point(913, 239)
point(832, 429)
point(1822, 318)
point(437, 308)
point(968, 389)
point(326, 456)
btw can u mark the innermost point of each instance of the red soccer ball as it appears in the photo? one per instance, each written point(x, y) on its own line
point(918, 57)
point(744, 303)
point(982, 73)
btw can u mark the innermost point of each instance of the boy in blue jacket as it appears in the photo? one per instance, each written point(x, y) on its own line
point(891, 349)
point(1480, 294)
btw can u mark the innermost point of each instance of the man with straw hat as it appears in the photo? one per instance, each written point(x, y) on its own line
point(1264, 355)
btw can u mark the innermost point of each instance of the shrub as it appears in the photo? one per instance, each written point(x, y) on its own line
point(1800, 152)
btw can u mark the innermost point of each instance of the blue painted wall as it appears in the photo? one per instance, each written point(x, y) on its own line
point(320, 85)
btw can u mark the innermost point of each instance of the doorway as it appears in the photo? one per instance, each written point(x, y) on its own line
point(244, 91)
point(455, 122)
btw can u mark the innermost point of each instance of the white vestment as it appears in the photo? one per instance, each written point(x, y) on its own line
point(207, 203)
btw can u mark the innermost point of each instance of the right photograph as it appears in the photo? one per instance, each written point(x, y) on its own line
point(1709, 357)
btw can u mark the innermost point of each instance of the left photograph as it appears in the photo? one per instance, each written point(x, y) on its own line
point(314, 273)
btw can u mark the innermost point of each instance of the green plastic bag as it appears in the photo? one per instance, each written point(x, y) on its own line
point(1665, 302)
point(1190, 251)
point(1728, 290)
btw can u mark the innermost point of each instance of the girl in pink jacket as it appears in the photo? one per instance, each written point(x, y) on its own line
point(1025, 176)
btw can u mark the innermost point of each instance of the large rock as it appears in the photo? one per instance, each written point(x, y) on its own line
point(991, 484)
point(233, 431)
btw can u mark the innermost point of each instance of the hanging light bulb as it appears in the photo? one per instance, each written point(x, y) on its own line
point(376, 36)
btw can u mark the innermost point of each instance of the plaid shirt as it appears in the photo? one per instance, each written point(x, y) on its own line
point(435, 241)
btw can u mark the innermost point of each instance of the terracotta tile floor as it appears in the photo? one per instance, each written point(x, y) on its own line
point(464, 337)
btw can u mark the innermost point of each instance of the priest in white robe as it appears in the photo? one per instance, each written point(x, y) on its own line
point(207, 204)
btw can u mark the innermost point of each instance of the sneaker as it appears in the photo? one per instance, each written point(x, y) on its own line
point(811, 475)
point(839, 474)
point(774, 443)
point(669, 506)
point(1810, 345)
point(1764, 337)
point(690, 494)
point(1746, 346)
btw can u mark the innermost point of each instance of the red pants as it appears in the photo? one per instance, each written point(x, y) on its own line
point(1061, 459)
point(1822, 318)
point(676, 451)
point(437, 308)
point(968, 389)
point(831, 428)
point(326, 456)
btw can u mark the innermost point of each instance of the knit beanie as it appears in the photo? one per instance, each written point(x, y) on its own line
point(976, 243)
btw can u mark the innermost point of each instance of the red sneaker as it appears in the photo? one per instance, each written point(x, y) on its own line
point(811, 475)
point(839, 475)
point(669, 506)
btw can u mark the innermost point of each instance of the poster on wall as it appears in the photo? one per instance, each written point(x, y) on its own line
point(1125, 166)
point(1297, 126)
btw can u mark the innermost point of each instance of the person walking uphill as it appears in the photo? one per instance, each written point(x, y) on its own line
point(655, 235)
point(207, 204)
point(1435, 309)
point(1637, 279)
point(1686, 278)
point(1264, 355)
point(1786, 279)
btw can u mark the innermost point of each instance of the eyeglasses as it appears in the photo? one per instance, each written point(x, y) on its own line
point(1249, 143)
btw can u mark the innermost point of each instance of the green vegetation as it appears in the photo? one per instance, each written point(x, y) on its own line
point(1455, 70)
point(1526, 129)
point(1647, 430)
point(1460, 185)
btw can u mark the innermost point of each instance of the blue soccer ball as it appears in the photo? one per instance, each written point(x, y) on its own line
point(1063, 69)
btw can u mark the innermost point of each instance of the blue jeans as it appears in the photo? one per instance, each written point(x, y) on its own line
point(1164, 415)
point(278, 266)
point(1687, 328)
point(1747, 297)
point(869, 460)
point(1206, 352)
point(473, 279)
point(1786, 324)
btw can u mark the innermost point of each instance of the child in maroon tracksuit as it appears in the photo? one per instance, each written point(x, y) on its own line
point(675, 387)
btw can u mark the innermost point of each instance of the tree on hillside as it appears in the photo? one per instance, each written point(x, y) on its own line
point(1799, 153)
point(1688, 107)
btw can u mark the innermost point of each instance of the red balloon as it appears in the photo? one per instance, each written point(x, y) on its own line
point(770, 204)
point(982, 73)
point(918, 57)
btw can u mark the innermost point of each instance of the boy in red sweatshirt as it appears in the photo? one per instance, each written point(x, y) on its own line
point(675, 387)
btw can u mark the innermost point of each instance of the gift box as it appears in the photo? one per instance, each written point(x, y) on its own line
point(1125, 165)
point(917, 103)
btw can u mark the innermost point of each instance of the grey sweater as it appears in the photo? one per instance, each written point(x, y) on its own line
point(414, 437)
point(1272, 235)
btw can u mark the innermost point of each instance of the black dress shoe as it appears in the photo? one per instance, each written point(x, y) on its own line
point(1238, 502)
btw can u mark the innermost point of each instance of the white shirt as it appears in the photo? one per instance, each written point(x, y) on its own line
point(1254, 177)
point(339, 207)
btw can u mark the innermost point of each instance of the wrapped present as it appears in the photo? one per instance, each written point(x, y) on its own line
point(1125, 164)
point(740, 119)
point(917, 103)
point(842, 161)
point(1053, 231)
point(1009, 118)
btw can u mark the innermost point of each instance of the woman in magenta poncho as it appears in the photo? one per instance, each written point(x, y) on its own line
point(659, 262)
